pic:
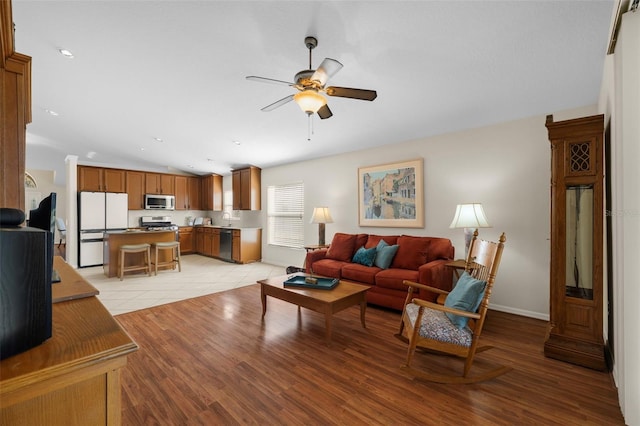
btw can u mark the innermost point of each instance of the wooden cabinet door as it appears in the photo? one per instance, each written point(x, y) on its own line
point(246, 189)
point(215, 243)
point(135, 189)
point(167, 184)
point(236, 246)
point(182, 193)
point(113, 180)
point(200, 240)
point(90, 179)
point(208, 240)
point(152, 183)
point(212, 193)
point(194, 193)
point(185, 235)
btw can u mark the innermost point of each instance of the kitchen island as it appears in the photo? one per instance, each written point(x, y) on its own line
point(113, 240)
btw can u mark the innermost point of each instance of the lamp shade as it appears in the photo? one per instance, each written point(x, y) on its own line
point(309, 101)
point(470, 216)
point(321, 215)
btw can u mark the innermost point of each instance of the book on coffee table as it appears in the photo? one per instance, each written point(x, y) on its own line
point(311, 282)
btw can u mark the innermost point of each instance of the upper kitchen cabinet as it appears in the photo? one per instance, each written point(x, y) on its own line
point(135, 189)
point(159, 183)
point(98, 179)
point(246, 189)
point(187, 193)
point(211, 193)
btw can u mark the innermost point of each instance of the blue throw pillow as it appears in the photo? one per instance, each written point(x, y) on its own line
point(384, 254)
point(364, 256)
point(466, 296)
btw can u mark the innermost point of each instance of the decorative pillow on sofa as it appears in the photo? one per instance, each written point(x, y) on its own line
point(342, 247)
point(384, 254)
point(466, 296)
point(412, 252)
point(364, 256)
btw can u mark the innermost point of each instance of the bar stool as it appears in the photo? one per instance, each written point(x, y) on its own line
point(135, 248)
point(174, 246)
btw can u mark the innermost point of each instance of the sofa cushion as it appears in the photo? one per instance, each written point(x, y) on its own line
point(361, 240)
point(342, 247)
point(364, 256)
point(373, 240)
point(384, 254)
point(440, 248)
point(360, 273)
point(412, 252)
point(465, 296)
point(392, 278)
point(328, 267)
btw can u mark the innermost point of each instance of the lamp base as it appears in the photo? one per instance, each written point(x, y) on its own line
point(321, 234)
point(468, 235)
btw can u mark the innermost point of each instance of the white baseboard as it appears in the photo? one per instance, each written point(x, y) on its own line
point(515, 311)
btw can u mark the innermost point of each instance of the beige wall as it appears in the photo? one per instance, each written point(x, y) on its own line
point(506, 167)
point(46, 185)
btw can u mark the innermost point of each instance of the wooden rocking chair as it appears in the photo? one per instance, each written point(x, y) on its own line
point(455, 327)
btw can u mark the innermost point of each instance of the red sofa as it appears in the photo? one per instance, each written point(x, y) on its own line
point(419, 259)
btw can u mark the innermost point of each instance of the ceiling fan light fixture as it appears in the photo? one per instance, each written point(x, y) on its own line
point(309, 101)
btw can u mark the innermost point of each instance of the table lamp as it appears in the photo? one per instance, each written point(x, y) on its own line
point(469, 217)
point(321, 216)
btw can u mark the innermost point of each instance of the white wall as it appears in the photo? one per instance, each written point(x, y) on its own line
point(506, 167)
point(620, 102)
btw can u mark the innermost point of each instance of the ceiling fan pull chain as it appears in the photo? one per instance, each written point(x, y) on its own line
point(310, 127)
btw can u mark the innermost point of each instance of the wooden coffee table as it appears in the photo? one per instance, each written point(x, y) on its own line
point(328, 302)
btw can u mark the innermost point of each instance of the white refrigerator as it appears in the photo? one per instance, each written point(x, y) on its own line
point(98, 212)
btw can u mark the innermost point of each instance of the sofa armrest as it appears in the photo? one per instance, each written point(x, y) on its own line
point(314, 256)
point(435, 274)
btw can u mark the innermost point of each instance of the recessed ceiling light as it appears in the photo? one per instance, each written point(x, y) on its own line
point(190, 166)
point(158, 139)
point(236, 142)
point(66, 53)
point(55, 114)
point(141, 149)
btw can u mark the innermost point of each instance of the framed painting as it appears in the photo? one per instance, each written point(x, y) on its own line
point(391, 195)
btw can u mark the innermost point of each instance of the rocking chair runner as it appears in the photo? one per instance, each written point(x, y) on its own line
point(448, 329)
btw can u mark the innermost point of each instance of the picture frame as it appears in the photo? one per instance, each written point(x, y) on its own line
point(391, 195)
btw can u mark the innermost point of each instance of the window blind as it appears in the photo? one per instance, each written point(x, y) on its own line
point(285, 212)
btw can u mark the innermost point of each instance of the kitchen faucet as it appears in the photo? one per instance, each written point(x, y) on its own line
point(228, 217)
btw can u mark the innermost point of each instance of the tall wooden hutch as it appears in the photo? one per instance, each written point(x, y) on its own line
point(577, 211)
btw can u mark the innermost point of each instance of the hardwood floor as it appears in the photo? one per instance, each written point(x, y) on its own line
point(212, 360)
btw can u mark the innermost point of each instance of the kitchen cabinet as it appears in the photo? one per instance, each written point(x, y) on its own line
point(186, 238)
point(159, 183)
point(208, 239)
point(576, 272)
point(246, 189)
point(215, 242)
point(187, 191)
point(135, 189)
point(193, 184)
point(98, 179)
point(247, 245)
point(211, 193)
point(199, 233)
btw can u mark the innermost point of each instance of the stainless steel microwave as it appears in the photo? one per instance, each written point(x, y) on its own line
point(159, 202)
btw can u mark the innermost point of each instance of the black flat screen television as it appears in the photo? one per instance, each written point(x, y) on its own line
point(44, 217)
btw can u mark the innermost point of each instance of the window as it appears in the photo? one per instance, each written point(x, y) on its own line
point(227, 207)
point(285, 211)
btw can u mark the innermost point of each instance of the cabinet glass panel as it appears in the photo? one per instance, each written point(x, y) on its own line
point(579, 248)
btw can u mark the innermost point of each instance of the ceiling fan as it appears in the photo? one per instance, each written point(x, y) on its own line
point(310, 83)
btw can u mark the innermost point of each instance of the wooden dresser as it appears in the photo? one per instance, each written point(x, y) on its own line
point(74, 377)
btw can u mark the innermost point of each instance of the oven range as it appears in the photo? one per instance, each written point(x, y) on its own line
point(158, 223)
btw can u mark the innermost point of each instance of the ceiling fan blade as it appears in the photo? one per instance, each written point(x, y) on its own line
point(346, 92)
point(327, 69)
point(324, 112)
point(268, 80)
point(277, 104)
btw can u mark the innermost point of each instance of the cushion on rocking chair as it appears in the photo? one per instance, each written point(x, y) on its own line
point(465, 296)
point(435, 325)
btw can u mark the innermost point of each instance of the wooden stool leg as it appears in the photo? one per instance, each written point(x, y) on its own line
point(121, 269)
point(179, 264)
point(148, 260)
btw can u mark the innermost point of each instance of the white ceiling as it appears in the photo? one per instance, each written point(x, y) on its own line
point(176, 70)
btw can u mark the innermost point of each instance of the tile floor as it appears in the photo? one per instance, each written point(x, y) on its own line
point(200, 276)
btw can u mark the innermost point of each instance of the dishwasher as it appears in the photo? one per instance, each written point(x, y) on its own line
point(226, 244)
